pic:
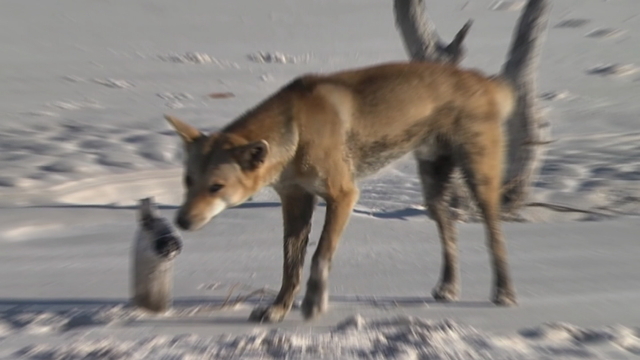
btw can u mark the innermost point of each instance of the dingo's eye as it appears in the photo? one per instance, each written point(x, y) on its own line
point(215, 188)
point(188, 181)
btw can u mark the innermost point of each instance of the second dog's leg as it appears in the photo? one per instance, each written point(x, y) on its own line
point(297, 210)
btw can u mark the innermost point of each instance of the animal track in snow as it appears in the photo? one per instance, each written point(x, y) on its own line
point(74, 151)
point(613, 70)
point(604, 33)
point(73, 78)
point(266, 77)
point(196, 58)
point(266, 57)
point(503, 5)
point(174, 96)
point(114, 83)
point(572, 23)
point(174, 100)
point(75, 105)
point(108, 82)
point(41, 113)
point(556, 95)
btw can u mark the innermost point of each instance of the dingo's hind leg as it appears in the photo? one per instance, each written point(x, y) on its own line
point(481, 161)
point(435, 175)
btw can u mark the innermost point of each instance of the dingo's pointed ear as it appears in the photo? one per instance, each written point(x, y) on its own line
point(187, 132)
point(147, 212)
point(252, 155)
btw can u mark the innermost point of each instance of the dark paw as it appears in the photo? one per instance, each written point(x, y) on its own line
point(316, 301)
point(504, 297)
point(168, 246)
point(268, 314)
point(445, 293)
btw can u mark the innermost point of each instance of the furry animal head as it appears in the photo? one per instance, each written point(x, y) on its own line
point(162, 236)
point(221, 171)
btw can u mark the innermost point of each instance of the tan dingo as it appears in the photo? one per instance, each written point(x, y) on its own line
point(318, 135)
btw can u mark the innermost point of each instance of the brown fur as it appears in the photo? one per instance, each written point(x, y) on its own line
point(318, 134)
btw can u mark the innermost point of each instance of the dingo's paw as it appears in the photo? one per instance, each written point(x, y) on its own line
point(316, 301)
point(269, 314)
point(445, 292)
point(504, 297)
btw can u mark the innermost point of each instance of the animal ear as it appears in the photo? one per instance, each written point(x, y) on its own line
point(147, 212)
point(187, 132)
point(252, 155)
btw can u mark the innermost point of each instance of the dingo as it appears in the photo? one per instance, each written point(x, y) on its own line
point(318, 135)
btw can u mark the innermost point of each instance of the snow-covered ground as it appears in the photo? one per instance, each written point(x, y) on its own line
point(83, 87)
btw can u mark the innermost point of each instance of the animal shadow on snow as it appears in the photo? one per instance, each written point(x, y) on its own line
point(247, 205)
point(400, 214)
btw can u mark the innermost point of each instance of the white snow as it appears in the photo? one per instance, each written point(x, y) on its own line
point(356, 338)
point(82, 92)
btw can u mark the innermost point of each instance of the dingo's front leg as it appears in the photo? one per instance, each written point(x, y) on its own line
point(297, 210)
point(339, 207)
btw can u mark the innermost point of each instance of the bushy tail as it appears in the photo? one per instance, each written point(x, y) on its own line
point(526, 129)
point(524, 55)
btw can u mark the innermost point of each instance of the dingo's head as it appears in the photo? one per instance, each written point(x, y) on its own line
point(221, 170)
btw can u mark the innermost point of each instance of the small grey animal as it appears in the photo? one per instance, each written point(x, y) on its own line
point(156, 246)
